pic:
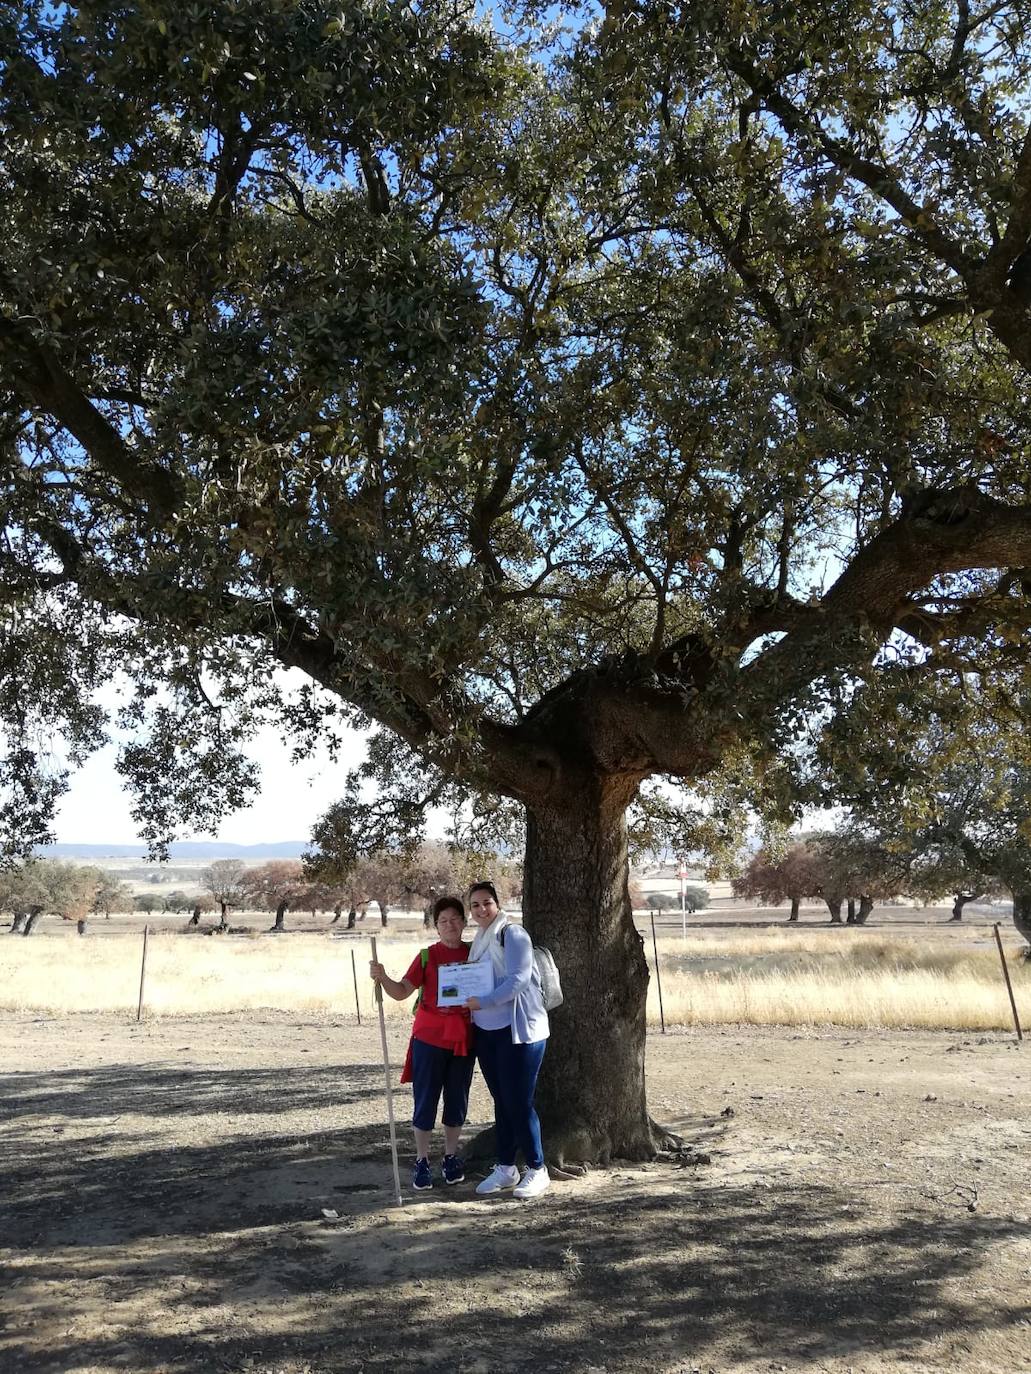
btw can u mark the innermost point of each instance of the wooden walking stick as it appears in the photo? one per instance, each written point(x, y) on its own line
point(386, 1075)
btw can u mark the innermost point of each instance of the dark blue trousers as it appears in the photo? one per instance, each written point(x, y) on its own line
point(434, 1071)
point(510, 1072)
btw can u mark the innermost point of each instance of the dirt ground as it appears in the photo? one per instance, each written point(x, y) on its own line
point(214, 1195)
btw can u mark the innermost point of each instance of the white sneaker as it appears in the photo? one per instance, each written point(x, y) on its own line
point(504, 1176)
point(533, 1183)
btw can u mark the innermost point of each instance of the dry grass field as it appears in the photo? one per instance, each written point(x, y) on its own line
point(933, 976)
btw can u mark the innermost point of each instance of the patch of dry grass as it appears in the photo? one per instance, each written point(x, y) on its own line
point(853, 978)
point(767, 977)
point(195, 975)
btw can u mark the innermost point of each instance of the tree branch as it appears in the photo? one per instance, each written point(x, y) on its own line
point(37, 372)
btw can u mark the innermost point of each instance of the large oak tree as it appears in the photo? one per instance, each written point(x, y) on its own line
point(578, 405)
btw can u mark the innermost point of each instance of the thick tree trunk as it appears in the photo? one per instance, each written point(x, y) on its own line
point(796, 902)
point(591, 1095)
point(30, 924)
point(280, 915)
point(223, 923)
point(834, 907)
point(850, 907)
point(352, 916)
point(383, 909)
point(427, 916)
point(338, 911)
point(195, 918)
point(1022, 915)
point(863, 914)
point(18, 925)
point(957, 906)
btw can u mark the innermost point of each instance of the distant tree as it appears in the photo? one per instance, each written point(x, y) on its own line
point(772, 877)
point(852, 866)
point(276, 886)
point(202, 902)
point(695, 898)
point(942, 777)
point(224, 880)
point(180, 901)
point(662, 901)
point(149, 903)
point(112, 895)
point(38, 887)
point(385, 877)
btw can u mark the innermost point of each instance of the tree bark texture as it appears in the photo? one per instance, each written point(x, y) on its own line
point(338, 911)
point(383, 909)
point(352, 916)
point(576, 900)
point(280, 916)
point(30, 924)
point(834, 907)
point(18, 924)
point(195, 918)
point(796, 902)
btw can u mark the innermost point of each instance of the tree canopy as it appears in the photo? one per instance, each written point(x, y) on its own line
point(577, 401)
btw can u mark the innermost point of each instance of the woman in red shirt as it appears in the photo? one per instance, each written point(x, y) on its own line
point(440, 1058)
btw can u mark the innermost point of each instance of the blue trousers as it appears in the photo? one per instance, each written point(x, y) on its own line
point(434, 1071)
point(510, 1072)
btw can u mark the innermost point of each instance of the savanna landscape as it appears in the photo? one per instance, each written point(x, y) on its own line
point(211, 1188)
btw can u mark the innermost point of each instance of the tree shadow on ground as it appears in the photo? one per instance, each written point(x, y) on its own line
point(560, 1286)
point(217, 1256)
point(163, 1090)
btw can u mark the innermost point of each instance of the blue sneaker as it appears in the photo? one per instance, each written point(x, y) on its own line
point(421, 1175)
point(452, 1168)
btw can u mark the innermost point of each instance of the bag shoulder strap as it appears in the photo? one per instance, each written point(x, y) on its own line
point(424, 959)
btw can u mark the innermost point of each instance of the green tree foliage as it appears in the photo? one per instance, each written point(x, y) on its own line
point(577, 411)
point(278, 886)
point(942, 778)
point(225, 881)
point(180, 900)
point(41, 887)
point(115, 895)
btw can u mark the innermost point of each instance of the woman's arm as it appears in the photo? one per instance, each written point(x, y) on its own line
point(399, 990)
point(518, 970)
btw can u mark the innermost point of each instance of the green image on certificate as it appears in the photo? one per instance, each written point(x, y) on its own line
point(459, 982)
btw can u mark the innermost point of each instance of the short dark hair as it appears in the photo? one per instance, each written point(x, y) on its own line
point(486, 886)
point(448, 904)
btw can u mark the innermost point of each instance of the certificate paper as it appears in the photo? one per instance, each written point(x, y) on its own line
point(456, 983)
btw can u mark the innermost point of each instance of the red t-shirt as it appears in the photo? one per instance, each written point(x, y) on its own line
point(446, 1027)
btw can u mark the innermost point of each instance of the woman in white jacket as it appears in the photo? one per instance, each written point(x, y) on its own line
point(511, 1033)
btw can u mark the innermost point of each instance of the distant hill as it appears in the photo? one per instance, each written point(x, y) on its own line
point(182, 849)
